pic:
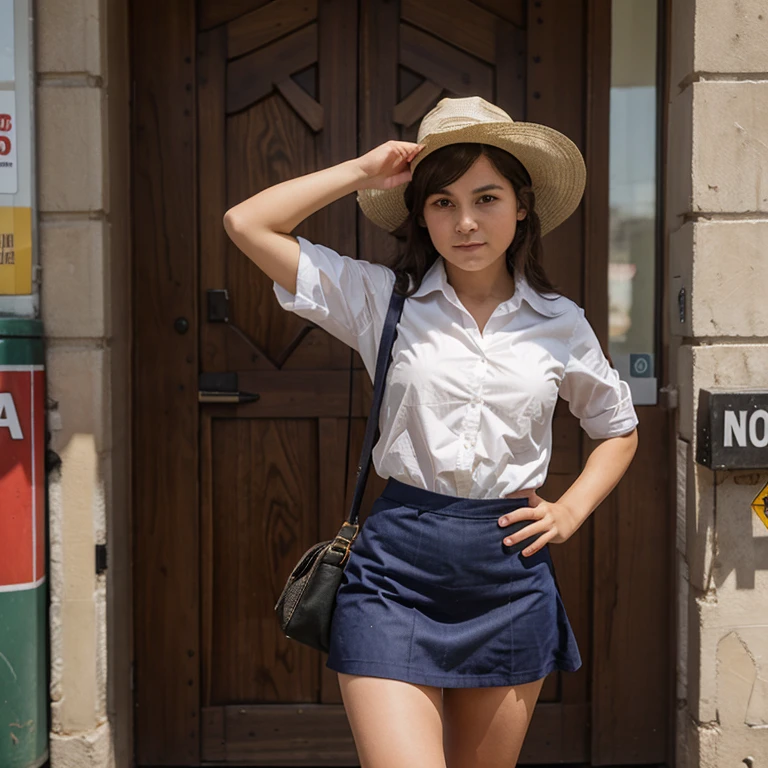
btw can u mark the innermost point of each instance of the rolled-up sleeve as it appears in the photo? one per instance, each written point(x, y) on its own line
point(596, 395)
point(342, 295)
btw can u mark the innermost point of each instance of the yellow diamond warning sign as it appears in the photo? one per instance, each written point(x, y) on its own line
point(760, 505)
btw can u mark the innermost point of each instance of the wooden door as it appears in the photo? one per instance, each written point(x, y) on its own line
point(259, 414)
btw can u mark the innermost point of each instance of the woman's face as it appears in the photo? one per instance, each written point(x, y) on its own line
point(479, 207)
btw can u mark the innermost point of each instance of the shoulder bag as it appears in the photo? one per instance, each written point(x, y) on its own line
point(305, 607)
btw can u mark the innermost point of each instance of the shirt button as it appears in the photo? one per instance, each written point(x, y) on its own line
point(466, 445)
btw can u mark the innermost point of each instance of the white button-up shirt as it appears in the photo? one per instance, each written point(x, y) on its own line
point(465, 413)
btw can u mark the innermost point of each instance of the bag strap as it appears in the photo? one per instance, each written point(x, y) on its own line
point(383, 360)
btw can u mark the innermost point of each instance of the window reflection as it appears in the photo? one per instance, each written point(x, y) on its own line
point(633, 196)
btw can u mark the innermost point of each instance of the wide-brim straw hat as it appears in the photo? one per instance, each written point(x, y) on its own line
point(553, 161)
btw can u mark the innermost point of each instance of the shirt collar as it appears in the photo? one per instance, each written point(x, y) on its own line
point(436, 279)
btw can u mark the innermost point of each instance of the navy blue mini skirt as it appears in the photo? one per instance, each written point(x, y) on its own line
point(431, 595)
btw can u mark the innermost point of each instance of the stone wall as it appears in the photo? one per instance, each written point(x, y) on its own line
point(83, 170)
point(717, 185)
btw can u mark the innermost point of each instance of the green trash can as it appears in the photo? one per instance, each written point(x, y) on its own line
point(23, 582)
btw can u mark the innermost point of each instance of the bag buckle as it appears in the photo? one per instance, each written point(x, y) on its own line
point(344, 544)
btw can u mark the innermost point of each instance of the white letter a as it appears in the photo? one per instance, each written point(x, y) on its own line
point(8, 416)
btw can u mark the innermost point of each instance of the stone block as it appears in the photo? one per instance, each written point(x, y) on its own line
point(731, 37)
point(702, 747)
point(673, 353)
point(83, 750)
point(712, 36)
point(685, 393)
point(682, 255)
point(696, 520)
point(730, 273)
point(78, 385)
point(723, 269)
point(69, 36)
point(728, 664)
point(100, 659)
point(740, 574)
point(70, 148)
point(72, 514)
point(78, 624)
point(103, 504)
point(718, 150)
point(742, 683)
point(681, 53)
point(737, 681)
point(679, 184)
point(72, 256)
point(730, 147)
point(700, 526)
point(702, 649)
point(743, 746)
point(78, 706)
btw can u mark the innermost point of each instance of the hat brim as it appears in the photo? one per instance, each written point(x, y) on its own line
point(554, 162)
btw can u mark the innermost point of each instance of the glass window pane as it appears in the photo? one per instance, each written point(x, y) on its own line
point(633, 196)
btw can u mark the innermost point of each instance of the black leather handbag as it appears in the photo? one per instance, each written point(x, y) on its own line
point(305, 606)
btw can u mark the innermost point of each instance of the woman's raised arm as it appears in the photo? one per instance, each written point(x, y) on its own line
point(261, 225)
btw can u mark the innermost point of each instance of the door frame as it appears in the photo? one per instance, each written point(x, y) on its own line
point(164, 192)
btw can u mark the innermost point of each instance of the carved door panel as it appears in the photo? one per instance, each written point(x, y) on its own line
point(277, 87)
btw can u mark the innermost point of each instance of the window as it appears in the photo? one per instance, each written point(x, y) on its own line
point(634, 309)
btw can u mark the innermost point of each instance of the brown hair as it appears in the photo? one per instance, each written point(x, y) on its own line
point(440, 169)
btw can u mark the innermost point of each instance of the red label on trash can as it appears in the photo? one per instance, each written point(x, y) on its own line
point(22, 478)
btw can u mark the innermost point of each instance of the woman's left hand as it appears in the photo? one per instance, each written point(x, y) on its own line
point(554, 522)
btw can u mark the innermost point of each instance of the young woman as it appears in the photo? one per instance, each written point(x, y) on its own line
point(445, 625)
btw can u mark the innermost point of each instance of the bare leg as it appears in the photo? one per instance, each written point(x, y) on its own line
point(485, 727)
point(395, 724)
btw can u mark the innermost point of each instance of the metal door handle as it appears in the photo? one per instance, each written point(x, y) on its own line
point(227, 397)
point(222, 388)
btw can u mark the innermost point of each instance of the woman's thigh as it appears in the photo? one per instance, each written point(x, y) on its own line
point(485, 727)
point(394, 723)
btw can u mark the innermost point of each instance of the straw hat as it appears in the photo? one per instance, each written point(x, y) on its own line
point(553, 161)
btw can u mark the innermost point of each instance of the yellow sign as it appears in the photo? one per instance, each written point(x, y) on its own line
point(760, 505)
point(15, 251)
